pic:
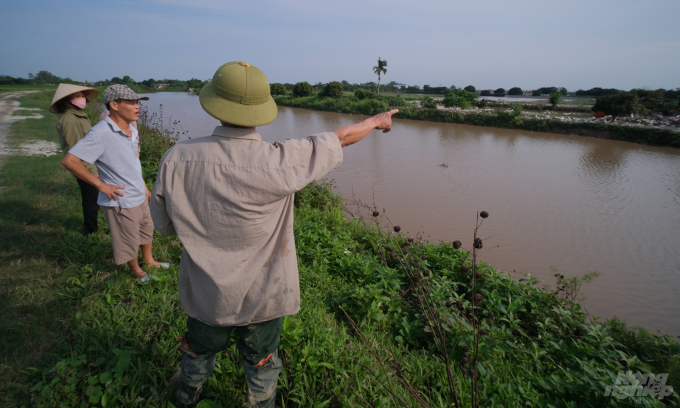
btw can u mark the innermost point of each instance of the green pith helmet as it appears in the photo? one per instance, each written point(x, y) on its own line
point(239, 94)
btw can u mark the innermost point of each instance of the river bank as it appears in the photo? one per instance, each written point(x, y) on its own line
point(95, 336)
point(506, 119)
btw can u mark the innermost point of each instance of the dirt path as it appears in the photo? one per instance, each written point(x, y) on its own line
point(9, 102)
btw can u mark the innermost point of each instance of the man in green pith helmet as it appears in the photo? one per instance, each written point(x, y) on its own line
point(229, 198)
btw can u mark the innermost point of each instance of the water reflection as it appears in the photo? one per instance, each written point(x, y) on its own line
point(575, 203)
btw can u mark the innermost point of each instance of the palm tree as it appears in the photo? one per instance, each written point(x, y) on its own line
point(380, 69)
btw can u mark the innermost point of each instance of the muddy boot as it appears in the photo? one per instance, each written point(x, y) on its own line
point(185, 394)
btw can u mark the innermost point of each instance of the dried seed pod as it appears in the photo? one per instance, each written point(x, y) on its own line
point(376, 213)
point(394, 255)
point(389, 248)
point(464, 371)
point(465, 360)
point(478, 243)
point(478, 275)
point(466, 354)
point(483, 214)
point(402, 293)
point(448, 304)
point(490, 315)
point(347, 341)
point(468, 310)
point(457, 244)
point(466, 349)
point(424, 257)
point(483, 332)
point(479, 298)
point(410, 239)
point(459, 303)
point(464, 269)
point(397, 228)
point(426, 273)
point(342, 354)
point(473, 372)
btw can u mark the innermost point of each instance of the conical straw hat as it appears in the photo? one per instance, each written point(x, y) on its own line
point(65, 90)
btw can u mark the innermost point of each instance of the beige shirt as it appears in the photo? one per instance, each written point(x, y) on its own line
point(229, 198)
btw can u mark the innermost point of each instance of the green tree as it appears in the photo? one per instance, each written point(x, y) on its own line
point(31, 76)
point(563, 91)
point(470, 88)
point(428, 102)
point(555, 99)
point(47, 77)
point(515, 91)
point(303, 89)
point(278, 89)
point(333, 89)
point(116, 80)
point(620, 104)
point(128, 80)
point(486, 93)
point(380, 69)
point(363, 94)
point(536, 93)
point(499, 91)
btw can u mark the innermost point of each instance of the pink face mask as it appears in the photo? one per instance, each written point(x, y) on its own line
point(79, 103)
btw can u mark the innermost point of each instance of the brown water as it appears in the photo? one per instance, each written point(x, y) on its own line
point(574, 203)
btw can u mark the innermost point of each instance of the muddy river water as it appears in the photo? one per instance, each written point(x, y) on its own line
point(573, 203)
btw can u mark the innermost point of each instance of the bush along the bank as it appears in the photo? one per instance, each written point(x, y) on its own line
point(499, 118)
point(386, 319)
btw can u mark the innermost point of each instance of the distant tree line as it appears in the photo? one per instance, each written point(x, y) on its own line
point(41, 78)
point(639, 101)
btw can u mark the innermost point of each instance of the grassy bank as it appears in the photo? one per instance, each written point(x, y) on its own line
point(16, 88)
point(79, 332)
point(499, 119)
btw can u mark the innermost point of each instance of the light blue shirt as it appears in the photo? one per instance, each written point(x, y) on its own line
point(116, 156)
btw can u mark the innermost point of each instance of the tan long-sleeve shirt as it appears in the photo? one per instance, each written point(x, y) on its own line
point(229, 198)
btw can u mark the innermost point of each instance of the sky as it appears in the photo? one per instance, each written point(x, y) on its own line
point(489, 44)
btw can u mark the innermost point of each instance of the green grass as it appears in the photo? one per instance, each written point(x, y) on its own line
point(15, 88)
point(78, 331)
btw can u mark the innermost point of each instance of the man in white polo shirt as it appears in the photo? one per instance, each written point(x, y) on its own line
point(113, 146)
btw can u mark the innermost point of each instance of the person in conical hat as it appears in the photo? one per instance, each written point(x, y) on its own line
point(72, 125)
point(229, 198)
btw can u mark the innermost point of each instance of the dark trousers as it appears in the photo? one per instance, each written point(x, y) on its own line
point(256, 342)
point(89, 194)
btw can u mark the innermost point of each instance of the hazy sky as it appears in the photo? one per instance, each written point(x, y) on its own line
point(489, 44)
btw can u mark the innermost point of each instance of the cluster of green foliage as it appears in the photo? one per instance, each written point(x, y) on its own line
point(368, 104)
point(547, 90)
point(302, 89)
point(555, 98)
point(428, 102)
point(515, 91)
point(460, 98)
point(278, 89)
point(333, 89)
point(637, 101)
point(597, 92)
point(78, 331)
point(499, 91)
point(363, 94)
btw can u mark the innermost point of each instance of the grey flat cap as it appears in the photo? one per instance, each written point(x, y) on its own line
point(120, 91)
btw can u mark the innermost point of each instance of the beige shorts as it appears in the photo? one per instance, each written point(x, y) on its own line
point(130, 228)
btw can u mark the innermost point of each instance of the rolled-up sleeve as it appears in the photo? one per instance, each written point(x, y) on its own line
point(159, 212)
point(307, 160)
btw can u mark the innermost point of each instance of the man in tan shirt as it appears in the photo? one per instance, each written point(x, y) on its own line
point(229, 198)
